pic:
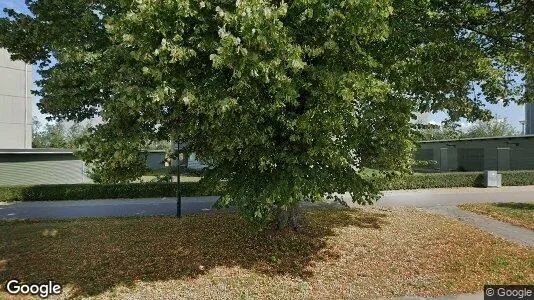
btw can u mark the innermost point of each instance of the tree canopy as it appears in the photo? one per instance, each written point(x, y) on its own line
point(284, 99)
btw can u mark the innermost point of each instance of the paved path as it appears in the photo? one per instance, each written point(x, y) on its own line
point(519, 235)
point(445, 202)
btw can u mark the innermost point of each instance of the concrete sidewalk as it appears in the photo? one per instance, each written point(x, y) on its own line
point(519, 235)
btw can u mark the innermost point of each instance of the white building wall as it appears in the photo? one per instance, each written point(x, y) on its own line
point(15, 103)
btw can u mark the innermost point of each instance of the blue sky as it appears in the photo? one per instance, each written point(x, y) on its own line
point(513, 112)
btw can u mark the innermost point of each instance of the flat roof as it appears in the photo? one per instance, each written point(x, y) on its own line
point(52, 151)
point(37, 151)
point(511, 137)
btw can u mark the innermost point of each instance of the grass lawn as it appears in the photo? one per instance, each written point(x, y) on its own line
point(186, 175)
point(520, 214)
point(149, 178)
point(339, 254)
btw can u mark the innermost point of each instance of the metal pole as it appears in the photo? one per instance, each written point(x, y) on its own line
point(178, 188)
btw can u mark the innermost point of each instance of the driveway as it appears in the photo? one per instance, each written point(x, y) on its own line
point(445, 202)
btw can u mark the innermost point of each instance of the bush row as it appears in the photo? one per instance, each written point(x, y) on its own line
point(432, 180)
point(99, 191)
point(148, 190)
point(450, 180)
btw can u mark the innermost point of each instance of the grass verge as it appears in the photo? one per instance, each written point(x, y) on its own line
point(149, 178)
point(520, 214)
point(339, 254)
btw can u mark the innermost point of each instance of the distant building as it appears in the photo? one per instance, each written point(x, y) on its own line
point(478, 154)
point(53, 166)
point(529, 118)
point(40, 166)
point(15, 103)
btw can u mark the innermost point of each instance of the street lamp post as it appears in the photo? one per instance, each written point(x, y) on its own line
point(178, 187)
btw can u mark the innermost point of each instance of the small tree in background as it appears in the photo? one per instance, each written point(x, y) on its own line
point(453, 131)
point(57, 134)
point(494, 127)
point(445, 131)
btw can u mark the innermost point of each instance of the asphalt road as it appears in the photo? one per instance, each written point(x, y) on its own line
point(104, 208)
point(190, 205)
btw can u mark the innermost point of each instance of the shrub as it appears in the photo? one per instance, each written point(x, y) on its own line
point(516, 178)
point(453, 179)
point(432, 180)
point(100, 191)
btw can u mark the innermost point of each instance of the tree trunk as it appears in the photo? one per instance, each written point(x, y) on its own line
point(289, 216)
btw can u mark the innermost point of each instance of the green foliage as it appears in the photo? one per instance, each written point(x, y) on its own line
point(100, 191)
point(453, 179)
point(516, 178)
point(451, 131)
point(57, 135)
point(447, 131)
point(490, 128)
point(284, 100)
point(159, 145)
point(433, 180)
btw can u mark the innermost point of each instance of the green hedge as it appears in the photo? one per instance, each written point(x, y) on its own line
point(456, 179)
point(98, 191)
point(516, 178)
point(148, 190)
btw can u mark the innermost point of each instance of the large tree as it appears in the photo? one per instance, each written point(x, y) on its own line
point(286, 100)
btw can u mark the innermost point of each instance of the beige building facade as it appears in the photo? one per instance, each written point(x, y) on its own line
point(15, 103)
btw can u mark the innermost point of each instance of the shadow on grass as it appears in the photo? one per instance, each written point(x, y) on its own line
point(97, 254)
point(519, 206)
